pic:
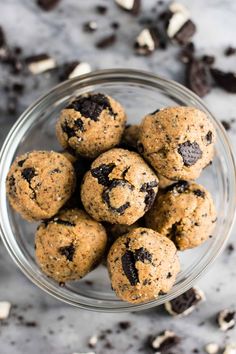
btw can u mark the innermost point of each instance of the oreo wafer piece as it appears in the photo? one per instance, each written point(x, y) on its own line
point(147, 41)
point(132, 6)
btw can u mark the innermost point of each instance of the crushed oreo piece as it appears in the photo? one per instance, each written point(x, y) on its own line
point(12, 184)
point(106, 41)
point(124, 325)
point(184, 35)
point(70, 132)
point(149, 185)
point(179, 187)
point(21, 162)
point(91, 105)
point(199, 193)
point(226, 320)
point(47, 5)
point(198, 77)
point(187, 53)
point(68, 252)
point(90, 26)
point(40, 63)
point(147, 41)
point(63, 222)
point(185, 303)
point(102, 173)
point(132, 6)
point(190, 153)
point(128, 265)
point(208, 59)
point(150, 193)
point(5, 307)
point(164, 341)
point(93, 341)
point(209, 137)
point(212, 348)
point(73, 69)
point(2, 37)
point(79, 124)
point(226, 125)
point(101, 9)
point(225, 80)
point(142, 255)
point(154, 112)
point(28, 173)
point(18, 87)
point(230, 248)
point(229, 51)
point(115, 25)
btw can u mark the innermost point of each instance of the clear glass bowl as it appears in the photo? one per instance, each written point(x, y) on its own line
point(140, 93)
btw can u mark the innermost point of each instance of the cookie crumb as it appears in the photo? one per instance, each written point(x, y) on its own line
point(131, 6)
point(47, 5)
point(212, 348)
point(226, 320)
point(226, 125)
point(93, 341)
point(230, 349)
point(229, 51)
point(225, 80)
point(40, 63)
point(5, 308)
point(106, 41)
point(147, 41)
point(101, 9)
point(165, 341)
point(90, 26)
point(124, 325)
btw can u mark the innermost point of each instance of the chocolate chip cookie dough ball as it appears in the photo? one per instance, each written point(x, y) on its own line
point(185, 213)
point(91, 124)
point(177, 141)
point(39, 183)
point(119, 188)
point(70, 245)
point(142, 265)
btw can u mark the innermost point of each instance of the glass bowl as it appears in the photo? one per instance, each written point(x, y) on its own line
point(140, 93)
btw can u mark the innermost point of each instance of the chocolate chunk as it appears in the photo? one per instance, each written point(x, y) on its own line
point(28, 173)
point(184, 303)
point(70, 132)
point(2, 38)
point(199, 193)
point(179, 187)
point(101, 9)
point(209, 137)
point(79, 124)
point(142, 255)
point(106, 195)
point(229, 51)
point(226, 125)
point(190, 153)
point(68, 252)
point(21, 162)
point(185, 33)
point(63, 222)
point(198, 77)
point(147, 41)
point(164, 342)
point(73, 69)
point(208, 59)
point(91, 106)
point(47, 5)
point(132, 6)
point(128, 265)
point(225, 80)
point(106, 41)
point(102, 173)
point(90, 26)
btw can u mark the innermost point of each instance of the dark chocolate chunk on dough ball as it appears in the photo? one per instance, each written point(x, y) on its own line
point(39, 183)
point(91, 124)
point(70, 245)
point(177, 141)
point(185, 213)
point(119, 188)
point(142, 265)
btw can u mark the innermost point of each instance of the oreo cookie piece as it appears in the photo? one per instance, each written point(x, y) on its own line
point(106, 195)
point(102, 173)
point(164, 342)
point(28, 173)
point(106, 41)
point(147, 41)
point(178, 187)
point(73, 69)
point(198, 77)
point(226, 320)
point(90, 26)
point(186, 303)
point(40, 63)
point(68, 252)
point(132, 6)
point(225, 80)
point(47, 5)
point(128, 265)
point(190, 153)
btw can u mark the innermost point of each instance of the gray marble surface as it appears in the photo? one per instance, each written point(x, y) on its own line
point(62, 329)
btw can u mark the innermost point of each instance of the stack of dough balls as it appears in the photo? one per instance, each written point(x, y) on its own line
point(117, 194)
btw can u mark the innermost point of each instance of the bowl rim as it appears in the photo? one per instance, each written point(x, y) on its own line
point(84, 80)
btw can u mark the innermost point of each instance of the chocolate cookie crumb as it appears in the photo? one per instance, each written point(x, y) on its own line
point(229, 51)
point(226, 80)
point(128, 265)
point(147, 41)
point(164, 341)
point(101, 9)
point(198, 78)
point(208, 59)
point(132, 6)
point(68, 252)
point(102, 172)
point(28, 173)
point(124, 325)
point(47, 5)
point(90, 26)
point(226, 320)
point(226, 125)
point(190, 153)
point(106, 41)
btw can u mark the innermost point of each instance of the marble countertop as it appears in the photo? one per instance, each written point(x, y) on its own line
point(38, 323)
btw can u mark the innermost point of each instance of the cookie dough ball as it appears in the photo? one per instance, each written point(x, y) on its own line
point(119, 188)
point(39, 183)
point(130, 137)
point(70, 245)
point(91, 124)
point(177, 141)
point(142, 265)
point(185, 213)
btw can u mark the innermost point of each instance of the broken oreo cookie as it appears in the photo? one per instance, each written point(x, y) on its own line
point(147, 41)
point(132, 6)
point(226, 320)
point(190, 153)
point(164, 341)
